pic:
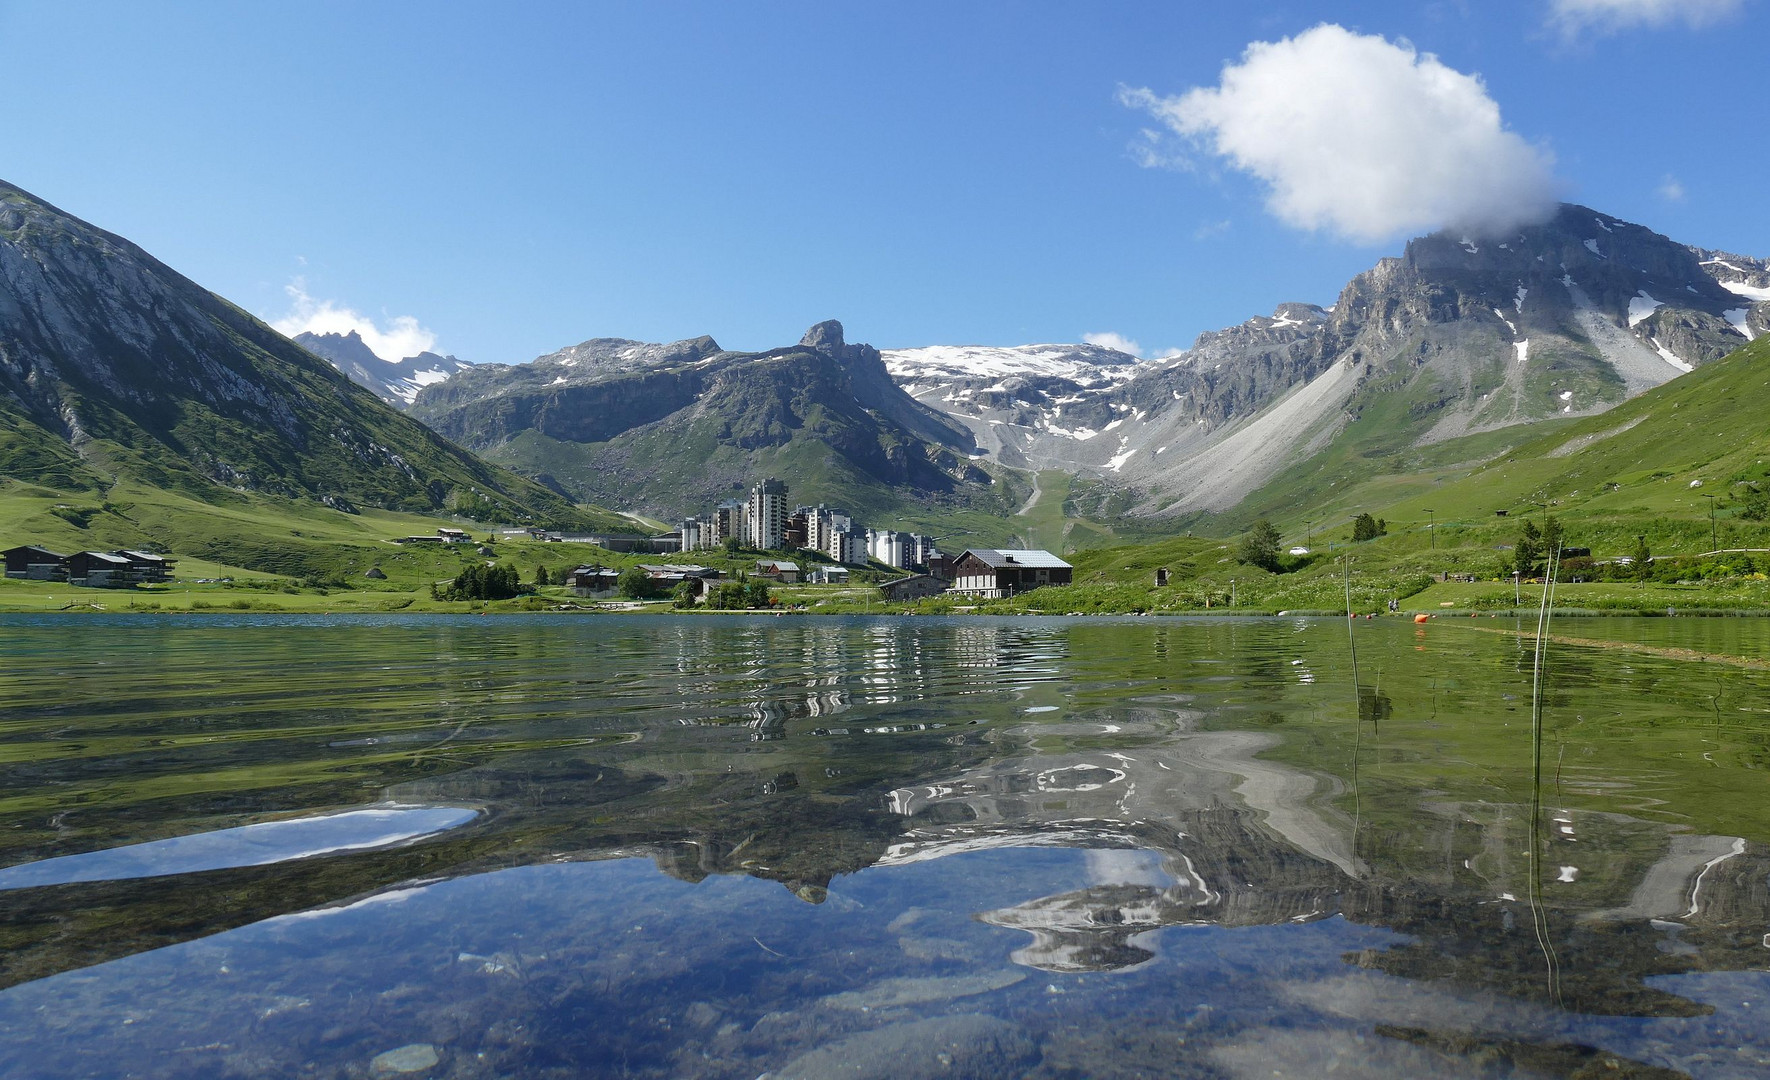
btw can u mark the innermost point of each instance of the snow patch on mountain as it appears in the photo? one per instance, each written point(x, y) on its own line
point(1641, 305)
point(1082, 363)
point(1750, 292)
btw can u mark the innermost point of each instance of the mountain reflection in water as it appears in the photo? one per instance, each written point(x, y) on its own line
point(888, 847)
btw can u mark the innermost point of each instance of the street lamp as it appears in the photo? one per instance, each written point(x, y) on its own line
point(1431, 519)
point(1714, 544)
point(1231, 592)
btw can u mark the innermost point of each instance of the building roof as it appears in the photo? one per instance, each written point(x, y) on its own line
point(1000, 557)
point(28, 548)
point(106, 556)
point(778, 564)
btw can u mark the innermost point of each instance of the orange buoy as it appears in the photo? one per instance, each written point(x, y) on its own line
point(1421, 617)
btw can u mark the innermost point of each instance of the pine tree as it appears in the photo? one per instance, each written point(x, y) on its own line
point(1640, 560)
point(1260, 546)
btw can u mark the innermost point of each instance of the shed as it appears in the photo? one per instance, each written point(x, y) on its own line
point(914, 587)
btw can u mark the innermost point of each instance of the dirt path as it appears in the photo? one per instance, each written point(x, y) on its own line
point(1034, 501)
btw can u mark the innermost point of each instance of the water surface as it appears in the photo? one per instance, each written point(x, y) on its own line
point(317, 846)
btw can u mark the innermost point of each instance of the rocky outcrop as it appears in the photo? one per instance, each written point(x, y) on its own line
point(673, 428)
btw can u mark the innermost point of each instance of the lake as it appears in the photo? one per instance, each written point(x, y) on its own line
point(261, 846)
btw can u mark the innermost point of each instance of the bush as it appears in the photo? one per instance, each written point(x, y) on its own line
point(683, 595)
point(738, 595)
point(1365, 527)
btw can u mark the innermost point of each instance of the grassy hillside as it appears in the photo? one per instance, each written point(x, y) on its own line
point(1645, 469)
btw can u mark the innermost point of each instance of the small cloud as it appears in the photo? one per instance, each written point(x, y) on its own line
point(401, 336)
point(1671, 190)
point(1363, 137)
point(1152, 149)
point(1208, 229)
point(1116, 342)
point(1609, 16)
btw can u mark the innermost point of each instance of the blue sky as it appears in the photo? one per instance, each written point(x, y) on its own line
point(510, 179)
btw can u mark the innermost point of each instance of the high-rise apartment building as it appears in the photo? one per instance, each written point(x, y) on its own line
point(766, 512)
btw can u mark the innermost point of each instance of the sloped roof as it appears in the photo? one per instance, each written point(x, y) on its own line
point(1000, 557)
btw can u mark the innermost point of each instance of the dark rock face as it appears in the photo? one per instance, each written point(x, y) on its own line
point(111, 363)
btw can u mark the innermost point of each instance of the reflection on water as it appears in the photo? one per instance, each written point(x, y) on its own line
point(244, 845)
point(917, 847)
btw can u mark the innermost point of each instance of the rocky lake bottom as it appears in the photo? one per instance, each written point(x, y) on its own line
point(292, 846)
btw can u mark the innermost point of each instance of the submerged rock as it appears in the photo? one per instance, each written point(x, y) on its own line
point(950, 1047)
point(411, 1058)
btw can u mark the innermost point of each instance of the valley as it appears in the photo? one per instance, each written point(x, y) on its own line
point(1587, 367)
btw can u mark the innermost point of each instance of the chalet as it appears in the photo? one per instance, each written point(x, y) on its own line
point(914, 587)
point(419, 540)
point(777, 570)
point(149, 568)
point(829, 575)
point(990, 573)
point(98, 570)
point(453, 536)
point(33, 563)
point(593, 581)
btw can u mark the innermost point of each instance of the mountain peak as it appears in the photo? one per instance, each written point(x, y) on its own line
point(826, 336)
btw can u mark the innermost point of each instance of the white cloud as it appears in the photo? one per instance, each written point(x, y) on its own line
point(1609, 16)
point(1208, 229)
point(1364, 137)
point(401, 336)
point(1110, 340)
point(1671, 189)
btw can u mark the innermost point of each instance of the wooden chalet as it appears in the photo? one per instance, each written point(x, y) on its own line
point(117, 569)
point(991, 573)
point(593, 581)
point(33, 563)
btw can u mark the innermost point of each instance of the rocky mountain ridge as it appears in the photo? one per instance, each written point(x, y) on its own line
point(113, 365)
point(1455, 336)
point(396, 382)
point(668, 428)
